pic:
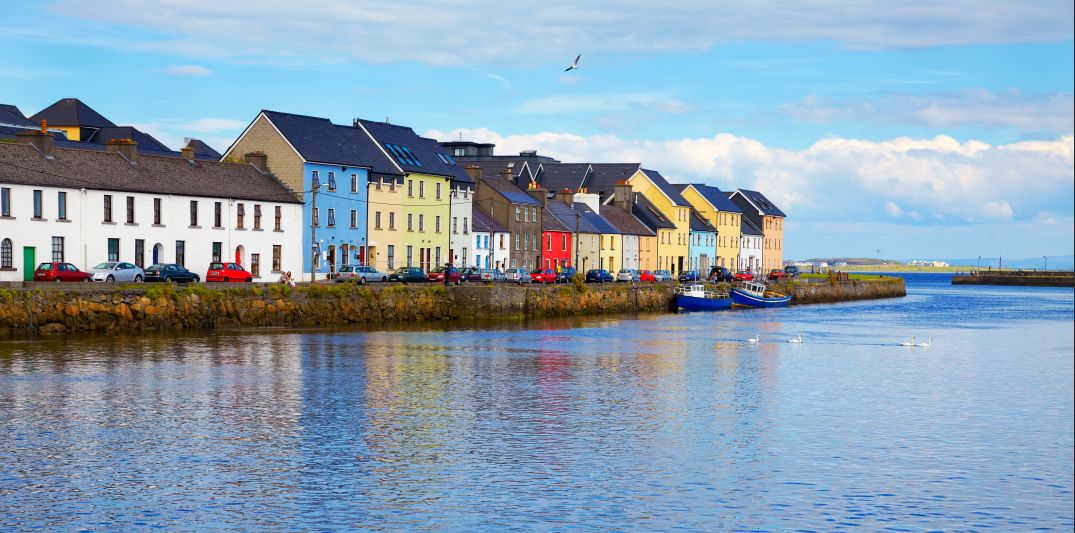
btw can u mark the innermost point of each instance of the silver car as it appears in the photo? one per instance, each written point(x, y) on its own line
point(517, 275)
point(491, 275)
point(662, 275)
point(117, 271)
point(360, 274)
point(627, 274)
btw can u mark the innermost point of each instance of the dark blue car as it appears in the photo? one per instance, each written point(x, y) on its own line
point(688, 275)
point(598, 275)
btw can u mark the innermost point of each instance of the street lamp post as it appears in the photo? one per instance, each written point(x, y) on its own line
point(1046, 266)
point(979, 262)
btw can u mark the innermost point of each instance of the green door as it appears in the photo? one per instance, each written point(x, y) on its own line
point(29, 262)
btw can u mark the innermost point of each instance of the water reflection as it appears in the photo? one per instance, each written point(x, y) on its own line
point(642, 422)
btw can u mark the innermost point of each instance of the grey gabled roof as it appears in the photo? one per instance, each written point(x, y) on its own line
point(79, 168)
point(666, 187)
point(626, 222)
point(110, 133)
point(550, 222)
point(713, 195)
point(412, 152)
point(201, 149)
point(700, 224)
point(746, 227)
point(648, 213)
point(482, 222)
point(520, 170)
point(509, 190)
point(71, 112)
point(10, 114)
point(566, 214)
point(318, 140)
point(559, 176)
point(602, 180)
point(759, 202)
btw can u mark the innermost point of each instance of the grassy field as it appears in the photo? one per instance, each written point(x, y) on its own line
point(863, 277)
point(905, 268)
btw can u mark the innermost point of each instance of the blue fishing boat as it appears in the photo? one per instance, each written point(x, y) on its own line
point(696, 298)
point(752, 294)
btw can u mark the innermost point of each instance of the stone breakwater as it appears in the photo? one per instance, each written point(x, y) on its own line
point(164, 307)
point(1017, 278)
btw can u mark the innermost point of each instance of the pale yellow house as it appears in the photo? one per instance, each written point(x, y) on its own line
point(722, 213)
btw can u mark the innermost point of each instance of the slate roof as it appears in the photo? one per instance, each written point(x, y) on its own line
point(700, 224)
point(558, 176)
point(713, 195)
point(648, 213)
point(203, 150)
point(625, 221)
point(71, 112)
point(746, 227)
point(145, 141)
point(666, 187)
point(588, 221)
point(760, 202)
point(550, 222)
point(482, 222)
point(509, 191)
point(77, 168)
point(603, 179)
point(318, 140)
point(10, 114)
point(519, 169)
point(423, 149)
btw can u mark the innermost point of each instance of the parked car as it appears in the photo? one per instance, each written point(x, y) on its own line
point(688, 275)
point(117, 271)
point(471, 274)
point(719, 273)
point(491, 275)
point(360, 274)
point(776, 273)
point(646, 276)
point(60, 272)
point(791, 271)
point(565, 275)
point(408, 275)
point(437, 275)
point(171, 272)
point(627, 274)
point(744, 276)
point(228, 272)
point(599, 275)
point(662, 275)
point(517, 275)
point(543, 275)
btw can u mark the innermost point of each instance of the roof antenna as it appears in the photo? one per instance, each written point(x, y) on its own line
point(386, 120)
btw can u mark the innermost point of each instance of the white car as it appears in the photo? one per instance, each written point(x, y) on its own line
point(360, 274)
point(117, 271)
point(627, 274)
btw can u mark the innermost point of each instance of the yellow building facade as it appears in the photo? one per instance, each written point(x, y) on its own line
point(673, 245)
point(722, 214)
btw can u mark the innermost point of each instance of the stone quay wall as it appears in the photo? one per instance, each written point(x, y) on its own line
point(1017, 278)
point(58, 308)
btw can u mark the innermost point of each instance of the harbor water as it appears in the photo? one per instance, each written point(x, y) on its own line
point(641, 422)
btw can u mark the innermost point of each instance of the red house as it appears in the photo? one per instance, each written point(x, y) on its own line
point(556, 242)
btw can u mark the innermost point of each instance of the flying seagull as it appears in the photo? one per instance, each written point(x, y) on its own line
point(574, 65)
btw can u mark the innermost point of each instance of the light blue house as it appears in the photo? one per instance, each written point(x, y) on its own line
point(703, 244)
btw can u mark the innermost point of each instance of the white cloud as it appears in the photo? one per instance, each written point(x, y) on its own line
point(475, 32)
point(837, 179)
point(1049, 113)
point(187, 70)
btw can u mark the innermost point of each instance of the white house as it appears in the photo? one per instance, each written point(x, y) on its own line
point(491, 242)
point(460, 241)
point(751, 244)
point(84, 206)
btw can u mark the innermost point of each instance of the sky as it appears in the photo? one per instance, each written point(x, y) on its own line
point(917, 129)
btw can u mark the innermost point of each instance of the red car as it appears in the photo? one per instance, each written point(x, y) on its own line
point(543, 275)
point(437, 275)
point(233, 272)
point(744, 276)
point(776, 273)
point(646, 276)
point(60, 272)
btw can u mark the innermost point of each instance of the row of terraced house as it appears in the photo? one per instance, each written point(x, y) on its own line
point(302, 194)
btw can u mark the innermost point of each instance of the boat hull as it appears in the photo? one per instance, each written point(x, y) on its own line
point(745, 299)
point(694, 303)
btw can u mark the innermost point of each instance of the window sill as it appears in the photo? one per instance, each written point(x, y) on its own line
point(278, 231)
point(109, 222)
point(240, 229)
point(131, 224)
point(7, 269)
point(64, 220)
point(257, 229)
point(39, 219)
point(217, 227)
point(194, 227)
point(159, 226)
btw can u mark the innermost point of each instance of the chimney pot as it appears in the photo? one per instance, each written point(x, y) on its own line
point(259, 160)
point(41, 140)
point(474, 171)
point(124, 147)
point(622, 197)
point(188, 153)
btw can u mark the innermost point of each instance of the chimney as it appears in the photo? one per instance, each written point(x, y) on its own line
point(539, 193)
point(623, 197)
point(259, 160)
point(506, 173)
point(42, 140)
point(187, 152)
point(566, 196)
point(474, 171)
point(124, 147)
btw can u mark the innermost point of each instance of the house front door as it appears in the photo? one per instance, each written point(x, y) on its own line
point(29, 262)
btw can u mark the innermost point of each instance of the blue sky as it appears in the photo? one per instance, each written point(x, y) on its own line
point(931, 129)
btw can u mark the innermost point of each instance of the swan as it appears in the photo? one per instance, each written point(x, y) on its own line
point(798, 340)
point(912, 343)
point(755, 339)
point(926, 344)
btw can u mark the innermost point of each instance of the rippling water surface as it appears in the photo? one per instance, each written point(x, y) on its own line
point(646, 422)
